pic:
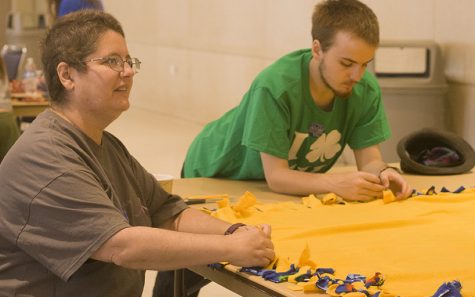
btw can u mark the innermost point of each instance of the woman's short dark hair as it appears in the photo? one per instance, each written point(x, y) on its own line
point(70, 40)
point(352, 16)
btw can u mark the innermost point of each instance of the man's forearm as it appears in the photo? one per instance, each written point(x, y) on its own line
point(374, 167)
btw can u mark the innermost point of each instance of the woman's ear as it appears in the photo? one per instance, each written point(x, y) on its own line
point(64, 75)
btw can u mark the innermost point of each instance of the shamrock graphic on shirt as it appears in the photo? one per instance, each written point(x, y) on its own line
point(325, 147)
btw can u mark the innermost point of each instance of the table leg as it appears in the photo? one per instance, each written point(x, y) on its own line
point(179, 283)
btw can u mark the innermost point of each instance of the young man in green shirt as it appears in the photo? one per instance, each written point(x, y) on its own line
point(300, 113)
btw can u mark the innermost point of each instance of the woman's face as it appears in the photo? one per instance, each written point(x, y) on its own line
point(101, 91)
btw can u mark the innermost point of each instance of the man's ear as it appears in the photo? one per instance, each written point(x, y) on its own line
point(64, 75)
point(317, 51)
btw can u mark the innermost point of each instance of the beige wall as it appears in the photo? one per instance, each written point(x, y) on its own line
point(199, 56)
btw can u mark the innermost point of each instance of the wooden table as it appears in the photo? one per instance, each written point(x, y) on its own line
point(230, 278)
point(249, 285)
point(31, 109)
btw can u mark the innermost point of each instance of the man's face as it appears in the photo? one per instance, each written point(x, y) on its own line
point(344, 63)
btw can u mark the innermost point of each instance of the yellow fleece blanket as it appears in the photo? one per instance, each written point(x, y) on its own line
point(418, 244)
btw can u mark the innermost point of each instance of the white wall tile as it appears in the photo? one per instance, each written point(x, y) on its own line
point(460, 62)
point(235, 26)
point(287, 26)
point(218, 82)
point(140, 25)
point(172, 23)
point(200, 56)
point(454, 21)
point(404, 19)
point(461, 107)
point(162, 84)
point(454, 29)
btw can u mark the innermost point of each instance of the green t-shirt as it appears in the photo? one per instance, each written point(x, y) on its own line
point(277, 116)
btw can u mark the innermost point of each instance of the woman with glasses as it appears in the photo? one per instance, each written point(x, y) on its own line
point(79, 215)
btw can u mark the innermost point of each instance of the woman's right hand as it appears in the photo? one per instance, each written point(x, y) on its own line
point(251, 246)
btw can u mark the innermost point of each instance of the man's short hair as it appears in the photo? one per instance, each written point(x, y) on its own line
point(352, 16)
point(71, 39)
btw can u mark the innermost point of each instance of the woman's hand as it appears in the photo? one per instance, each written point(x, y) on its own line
point(251, 246)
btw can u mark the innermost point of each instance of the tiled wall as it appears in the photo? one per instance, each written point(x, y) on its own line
point(201, 55)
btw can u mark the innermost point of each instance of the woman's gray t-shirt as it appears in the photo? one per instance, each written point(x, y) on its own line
point(61, 197)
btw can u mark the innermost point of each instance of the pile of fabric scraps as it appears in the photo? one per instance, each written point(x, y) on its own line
point(412, 242)
point(306, 277)
point(388, 196)
point(322, 280)
point(449, 289)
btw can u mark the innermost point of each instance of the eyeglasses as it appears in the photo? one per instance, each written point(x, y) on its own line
point(116, 63)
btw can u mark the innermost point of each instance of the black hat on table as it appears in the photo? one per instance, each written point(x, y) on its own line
point(433, 152)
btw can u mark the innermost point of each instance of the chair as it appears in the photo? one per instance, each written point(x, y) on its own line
point(13, 57)
point(4, 85)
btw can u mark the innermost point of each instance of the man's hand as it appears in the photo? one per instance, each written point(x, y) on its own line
point(356, 186)
point(391, 179)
